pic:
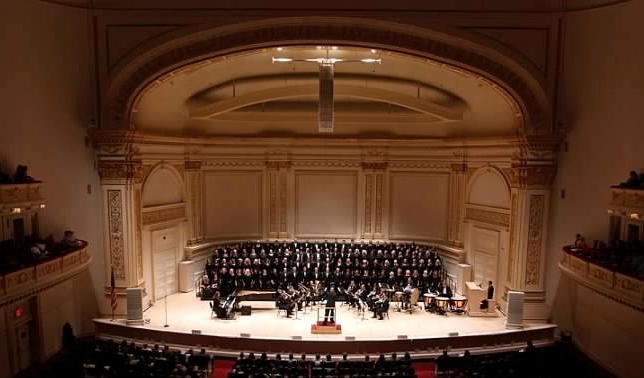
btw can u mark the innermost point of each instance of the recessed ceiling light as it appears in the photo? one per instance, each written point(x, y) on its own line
point(280, 48)
point(334, 47)
point(373, 51)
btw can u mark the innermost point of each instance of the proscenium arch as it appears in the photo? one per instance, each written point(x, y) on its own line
point(511, 73)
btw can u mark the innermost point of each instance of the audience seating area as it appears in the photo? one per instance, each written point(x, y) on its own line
point(15, 256)
point(109, 359)
point(291, 367)
point(104, 359)
point(560, 360)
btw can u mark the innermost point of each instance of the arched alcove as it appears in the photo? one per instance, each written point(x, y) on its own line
point(162, 186)
point(488, 187)
point(162, 239)
point(487, 216)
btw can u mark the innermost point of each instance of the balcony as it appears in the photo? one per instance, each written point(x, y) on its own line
point(31, 279)
point(604, 276)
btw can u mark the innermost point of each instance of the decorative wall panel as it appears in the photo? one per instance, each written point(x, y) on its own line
point(419, 205)
point(535, 233)
point(368, 199)
point(232, 204)
point(115, 229)
point(379, 204)
point(326, 203)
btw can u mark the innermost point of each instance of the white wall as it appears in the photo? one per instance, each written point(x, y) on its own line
point(326, 204)
point(43, 102)
point(419, 205)
point(602, 106)
point(232, 204)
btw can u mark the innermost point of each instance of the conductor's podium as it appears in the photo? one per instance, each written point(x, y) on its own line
point(331, 327)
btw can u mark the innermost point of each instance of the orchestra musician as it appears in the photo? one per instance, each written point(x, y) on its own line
point(285, 302)
point(380, 305)
point(407, 293)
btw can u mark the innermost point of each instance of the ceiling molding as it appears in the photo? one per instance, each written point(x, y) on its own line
point(490, 7)
point(376, 94)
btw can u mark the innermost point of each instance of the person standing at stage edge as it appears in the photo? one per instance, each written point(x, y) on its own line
point(329, 311)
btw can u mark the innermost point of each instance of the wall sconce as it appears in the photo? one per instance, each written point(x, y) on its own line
point(610, 212)
point(42, 205)
point(16, 210)
point(635, 216)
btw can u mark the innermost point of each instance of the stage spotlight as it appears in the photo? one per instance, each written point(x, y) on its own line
point(196, 332)
point(402, 337)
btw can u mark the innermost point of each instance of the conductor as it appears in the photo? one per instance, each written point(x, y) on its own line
point(329, 311)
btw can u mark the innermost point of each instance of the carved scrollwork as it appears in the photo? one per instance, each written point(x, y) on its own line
point(163, 215)
point(539, 176)
point(535, 231)
point(115, 228)
point(120, 170)
point(419, 165)
point(192, 165)
point(486, 216)
point(375, 165)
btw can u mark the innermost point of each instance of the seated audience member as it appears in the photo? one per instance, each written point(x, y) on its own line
point(490, 295)
point(39, 249)
point(70, 241)
point(21, 176)
point(4, 178)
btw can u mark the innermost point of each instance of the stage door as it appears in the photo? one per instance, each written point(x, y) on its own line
point(165, 248)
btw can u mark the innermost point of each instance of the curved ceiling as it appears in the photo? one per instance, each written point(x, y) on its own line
point(248, 94)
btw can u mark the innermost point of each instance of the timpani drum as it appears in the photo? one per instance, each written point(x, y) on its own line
point(442, 303)
point(430, 301)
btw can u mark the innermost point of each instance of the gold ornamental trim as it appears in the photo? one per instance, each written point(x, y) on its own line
point(163, 215)
point(487, 216)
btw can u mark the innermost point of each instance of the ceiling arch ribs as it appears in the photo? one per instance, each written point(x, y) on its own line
point(375, 94)
point(189, 45)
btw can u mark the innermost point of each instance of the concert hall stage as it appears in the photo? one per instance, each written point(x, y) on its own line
point(421, 333)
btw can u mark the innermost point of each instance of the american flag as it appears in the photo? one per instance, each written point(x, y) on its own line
point(114, 303)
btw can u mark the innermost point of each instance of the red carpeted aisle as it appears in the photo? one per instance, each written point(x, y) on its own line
point(424, 369)
point(222, 368)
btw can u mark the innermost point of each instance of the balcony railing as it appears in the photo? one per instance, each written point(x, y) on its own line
point(35, 277)
point(602, 277)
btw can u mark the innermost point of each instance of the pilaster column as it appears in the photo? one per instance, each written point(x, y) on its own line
point(194, 186)
point(530, 177)
point(457, 183)
point(121, 188)
point(121, 174)
point(277, 172)
point(373, 206)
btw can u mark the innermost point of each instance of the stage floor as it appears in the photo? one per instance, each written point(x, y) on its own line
point(186, 313)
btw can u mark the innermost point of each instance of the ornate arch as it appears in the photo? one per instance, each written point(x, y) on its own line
point(484, 170)
point(513, 75)
point(159, 166)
